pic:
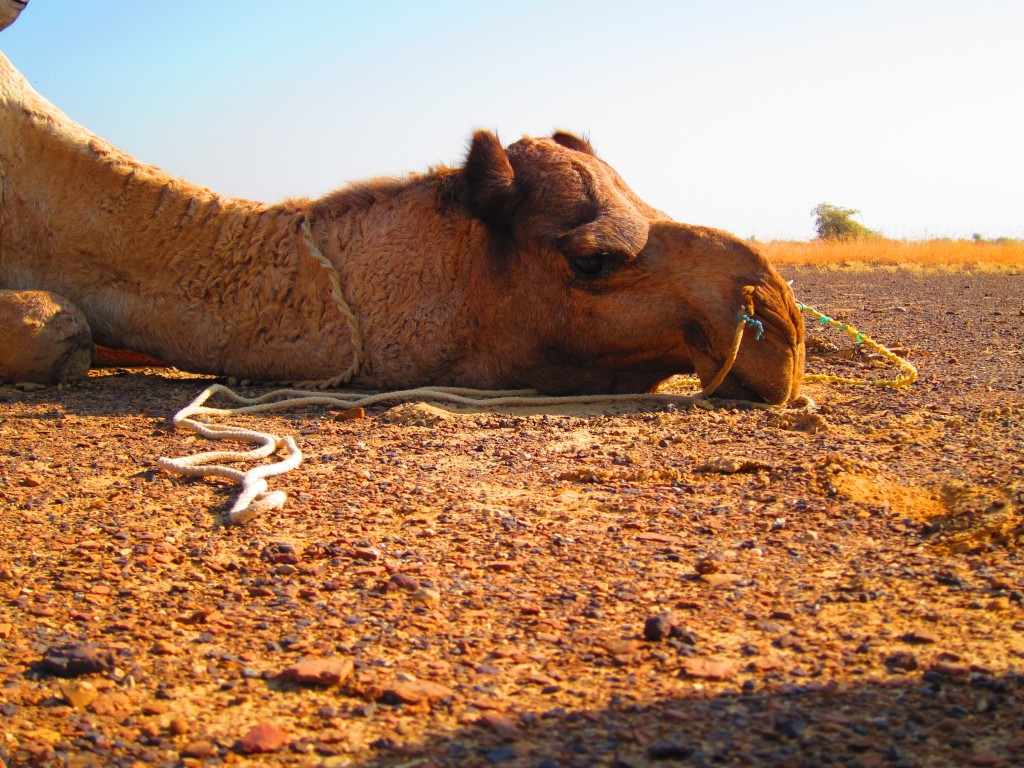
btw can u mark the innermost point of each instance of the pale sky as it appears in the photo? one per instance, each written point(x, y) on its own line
point(738, 115)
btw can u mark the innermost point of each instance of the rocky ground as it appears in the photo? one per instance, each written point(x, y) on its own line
point(566, 587)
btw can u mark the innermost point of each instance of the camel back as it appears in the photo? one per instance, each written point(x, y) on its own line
point(160, 265)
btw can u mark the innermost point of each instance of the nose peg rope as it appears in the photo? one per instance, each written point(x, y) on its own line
point(743, 319)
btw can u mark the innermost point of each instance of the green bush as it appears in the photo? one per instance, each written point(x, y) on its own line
point(834, 223)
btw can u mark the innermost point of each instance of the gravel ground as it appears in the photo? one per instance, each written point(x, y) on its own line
point(566, 587)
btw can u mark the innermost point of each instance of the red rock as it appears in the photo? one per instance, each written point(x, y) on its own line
point(415, 691)
point(501, 724)
point(263, 737)
point(199, 749)
point(402, 581)
point(351, 414)
point(721, 579)
point(165, 648)
point(368, 554)
point(709, 669)
point(326, 672)
point(502, 565)
point(920, 637)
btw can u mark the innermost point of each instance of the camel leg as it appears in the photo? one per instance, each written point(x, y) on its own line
point(44, 338)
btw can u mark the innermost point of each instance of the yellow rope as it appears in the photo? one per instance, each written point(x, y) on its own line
point(902, 380)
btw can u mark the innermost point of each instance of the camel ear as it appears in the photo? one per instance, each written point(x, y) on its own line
point(572, 141)
point(490, 181)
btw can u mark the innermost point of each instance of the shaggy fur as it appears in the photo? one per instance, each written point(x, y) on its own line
point(531, 266)
point(9, 10)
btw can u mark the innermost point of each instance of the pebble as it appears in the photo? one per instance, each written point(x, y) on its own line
point(261, 738)
point(669, 750)
point(415, 691)
point(920, 637)
point(76, 659)
point(326, 672)
point(501, 755)
point(199, 749)
point(426, 595)
point(708, 565)
point(501, 724)
point(709, 669)
point(79, 694)
point(901, 661)
point(165, 648)
point(369, 554)
point(659, 627)
point(402, 581)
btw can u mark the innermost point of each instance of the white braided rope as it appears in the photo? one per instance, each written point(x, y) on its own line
point(254, 497)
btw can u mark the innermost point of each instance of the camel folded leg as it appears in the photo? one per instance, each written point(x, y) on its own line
point(44, 338)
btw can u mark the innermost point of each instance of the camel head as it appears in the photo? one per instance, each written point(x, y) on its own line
point(603, 293)
point(9, 10)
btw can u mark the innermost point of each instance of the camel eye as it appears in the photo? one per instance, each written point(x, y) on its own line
point(588, 266)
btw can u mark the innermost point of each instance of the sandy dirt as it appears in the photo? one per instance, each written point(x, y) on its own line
point(660, 586)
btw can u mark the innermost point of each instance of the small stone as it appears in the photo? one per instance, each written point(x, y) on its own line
point(369, 554)
point(501, 724)
point(501, 755)
point(76, 659)
point(165, 648)
point(659, 627)
point(502, 566)
point(402, 581)
point(426, 595)
point(707, 565)
point(621, 647)
point(111, 703)
point(791, 727)
point(998, 604)
point(415, 691)
point(901, 661)
point(669, 750)
point(721, 579)
point(709, 669)
point(179, 726)
point(949, 669)
point(351, 414)
point(79, 694)
point(261, 738)
point(326, 672)
point(200, 749)
point(920, 637)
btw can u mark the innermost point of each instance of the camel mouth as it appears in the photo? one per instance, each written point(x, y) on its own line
point(768, 364)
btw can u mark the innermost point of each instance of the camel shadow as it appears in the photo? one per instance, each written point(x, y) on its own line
point(941, 716)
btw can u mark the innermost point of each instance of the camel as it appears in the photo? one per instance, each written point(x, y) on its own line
point(9, 10)
point(530, 266)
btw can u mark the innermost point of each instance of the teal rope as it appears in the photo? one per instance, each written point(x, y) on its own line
point(745, 316)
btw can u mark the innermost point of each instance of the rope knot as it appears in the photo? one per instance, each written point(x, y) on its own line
point(746, 315)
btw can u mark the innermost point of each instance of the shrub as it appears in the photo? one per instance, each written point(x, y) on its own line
point(834, 223)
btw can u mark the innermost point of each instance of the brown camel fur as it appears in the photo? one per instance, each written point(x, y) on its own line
point(531, 266)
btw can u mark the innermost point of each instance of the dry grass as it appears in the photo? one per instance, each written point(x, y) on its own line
point(924, 253)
